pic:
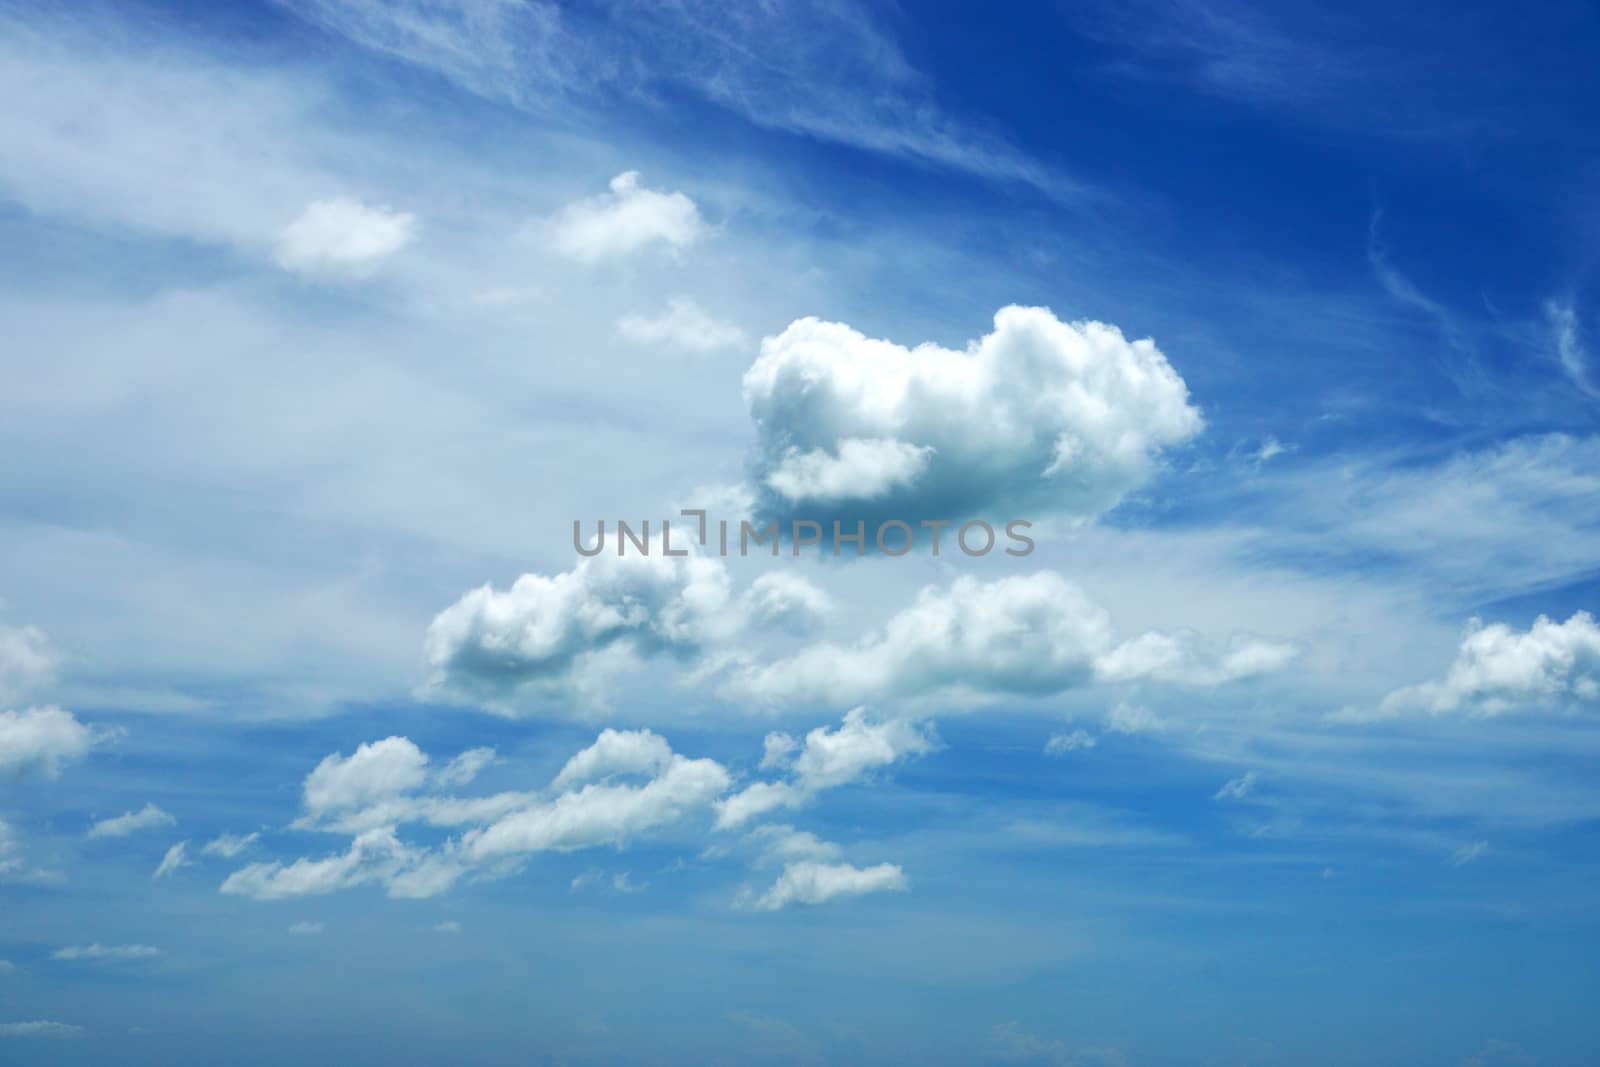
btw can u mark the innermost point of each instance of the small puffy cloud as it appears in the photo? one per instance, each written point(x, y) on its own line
point(1026, 635)
point(811, 882)
point(1134, 719)
point(602, 814)
point(683, 325)
point(176, 859)
point(589, 808)
point(27, 660)
point(98, 951)
point(1236, 788)
point(1037, 417)
point(376, 855)
point(786, 844)
point(615, 752)
point(1499, 670)
point(465, 767)
point(829, 759)
point(305, 928)
point(551, 639)
point(343, 236)
point(1062, 743)
point(1471, 852)
point(449, 926)
point(149, 817)
point(777, 750)
point(229, 845)
point(625, 220)
point(40, 1028)
point(375, 771)
point(41, 739)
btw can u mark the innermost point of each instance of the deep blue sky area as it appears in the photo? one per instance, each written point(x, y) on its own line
point(325, 321)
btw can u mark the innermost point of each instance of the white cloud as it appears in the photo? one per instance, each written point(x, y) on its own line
point(40, 1028)
point(1134, 719)
point(1237, 788)
point(1062, 743)
point(343, 236)
point(304, 927)
point(375, 771)
point(593, 810)
point(448, 926)
point(229, 845)
point(786, 844)
point(857, 468)
point(27, 659)
point(465, 767)
point(1038, 417)
point(551, 639)
point(683, 325)
point(628, 218)
point(1471, 852)
point(777, 750)
point(1024, 635)
point(829, 759)
point(149, 817)
point(600, 814)
point(1499, 670)
point(787, 600)
point(98, 951)
point(41, 739)
point(615, 752)
point(376, 855)
point(1569, 346)
point(810, 882)
point(176, 859)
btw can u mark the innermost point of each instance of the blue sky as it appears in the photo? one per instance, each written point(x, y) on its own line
point(326, 319)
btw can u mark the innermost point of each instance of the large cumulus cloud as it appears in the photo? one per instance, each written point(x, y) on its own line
point(1038, 417)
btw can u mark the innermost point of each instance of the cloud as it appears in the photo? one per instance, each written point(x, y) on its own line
point(683, 325)
point(41, 739)
point(552, 639)
point(1569, 346)
point(342, 237)
point(464, 768)
point(1499, 670)
point(1062, 743)
point(375, 855)
point(304, 927)
point(839, 78)
point(1039, 417)
point(1236, 788)
point(585, 808)
point(1025, 635)
point(615, 752)
point(98, 951)
point(229, 845)
point(448, 926)
point(810, 882)
point(375, 771)
point(40, 1028)
point(148, 817)
point(1471, 852)
point(828, 759)
point(625, 220)
point(27, 660)
point(176, 859)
